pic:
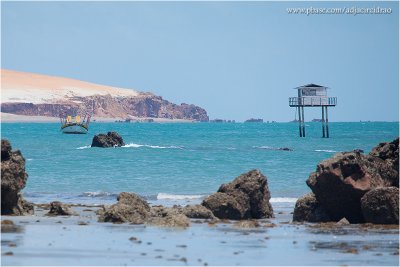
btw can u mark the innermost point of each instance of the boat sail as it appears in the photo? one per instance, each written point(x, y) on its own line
point(75, 124)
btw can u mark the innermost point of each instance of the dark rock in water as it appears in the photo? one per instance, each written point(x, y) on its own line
point(339, 183)
point(197, 212)
point(285, 149)
point(360, 151)
point(309, 210)
point(167, 217)
point(13, 180)
point(59, 209)
point(381, 205)
point(111, 139)
point(246, 197)
point(130, 208)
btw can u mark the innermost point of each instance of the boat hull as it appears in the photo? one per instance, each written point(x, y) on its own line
point(74, 129)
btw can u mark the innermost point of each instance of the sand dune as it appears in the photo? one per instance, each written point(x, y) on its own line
point(36, 88)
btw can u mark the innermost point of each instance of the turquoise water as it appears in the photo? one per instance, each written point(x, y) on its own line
point(169, 160)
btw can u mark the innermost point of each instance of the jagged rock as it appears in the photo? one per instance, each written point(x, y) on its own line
point(246, 197)
point(389, 152)
point(381, 205)
point(13, 180)
point(130, 208)
point(339, 183)
point(167, 217)
point(308, 209)
point(197, 212)
point(224, 206)
point(111, 139)
point(58, 209)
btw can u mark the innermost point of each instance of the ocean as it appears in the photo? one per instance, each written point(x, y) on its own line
point(179, 162)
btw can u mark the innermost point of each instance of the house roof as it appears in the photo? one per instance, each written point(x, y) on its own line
point(311, 85)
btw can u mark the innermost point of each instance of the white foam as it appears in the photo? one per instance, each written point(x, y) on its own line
point(83, 147)
point(283, 200)
point(325, 150)
point(133, 145)
point(96, 194)
point(177, 197)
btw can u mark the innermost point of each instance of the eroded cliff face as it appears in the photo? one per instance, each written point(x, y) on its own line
point(143, 105)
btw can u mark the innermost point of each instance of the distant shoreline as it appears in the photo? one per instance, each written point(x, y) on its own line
point(13, 118)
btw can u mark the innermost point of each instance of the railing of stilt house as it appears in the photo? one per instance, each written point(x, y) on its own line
point(312, 101)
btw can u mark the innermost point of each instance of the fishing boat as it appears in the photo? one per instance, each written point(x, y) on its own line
point(75, 124)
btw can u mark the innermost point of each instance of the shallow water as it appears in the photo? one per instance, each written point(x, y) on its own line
point(62, 241)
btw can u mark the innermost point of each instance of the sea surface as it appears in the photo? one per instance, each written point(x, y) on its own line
point(179, 162)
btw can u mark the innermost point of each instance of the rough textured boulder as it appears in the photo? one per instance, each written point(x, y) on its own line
point(389, 152)
point(341, 181)
point(168, 217)
point(381, 205)
point(246, 197)
point(197, 212)
point(130, 208)
point(13, 180)
point(111, 139)
point(308, 209)
point(59, 209)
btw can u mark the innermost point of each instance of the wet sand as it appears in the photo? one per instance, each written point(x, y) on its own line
point(81, 240)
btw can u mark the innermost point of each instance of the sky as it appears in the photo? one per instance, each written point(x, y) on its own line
point(238, 60)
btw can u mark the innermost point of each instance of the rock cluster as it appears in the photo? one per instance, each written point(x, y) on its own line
point(351, 185)
point(13, 180)
point(111, 139)
point(246, 197)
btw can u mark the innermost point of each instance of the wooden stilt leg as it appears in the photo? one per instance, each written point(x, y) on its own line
point(327, 128)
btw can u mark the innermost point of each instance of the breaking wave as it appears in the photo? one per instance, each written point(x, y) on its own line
point(283, 200)
point(166, 196)
point(133, 145)
point(83, 147)
point(325, 150)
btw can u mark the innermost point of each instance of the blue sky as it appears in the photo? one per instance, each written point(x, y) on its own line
point(235, 59)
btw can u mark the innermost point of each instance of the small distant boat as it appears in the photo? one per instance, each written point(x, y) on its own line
point(75, 124)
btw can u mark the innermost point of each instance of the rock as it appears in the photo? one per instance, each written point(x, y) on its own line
point(224, 206)
point(5, 149)
point(358, 150)
point(389, 152)
point(13, 180)
point(339, 183)
point(197, 212)
point(285, 149)
point(111, 139)
point(308, 209)
point(381, 205)
point(130, 208)
point(247, 224)
point(246, 197)
point(59, 209)
point(343, 221)
point(167, 217)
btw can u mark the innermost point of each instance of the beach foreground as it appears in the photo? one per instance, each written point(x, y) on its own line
point(81, 240)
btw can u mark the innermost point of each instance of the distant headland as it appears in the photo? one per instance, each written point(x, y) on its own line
point(30, 97)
